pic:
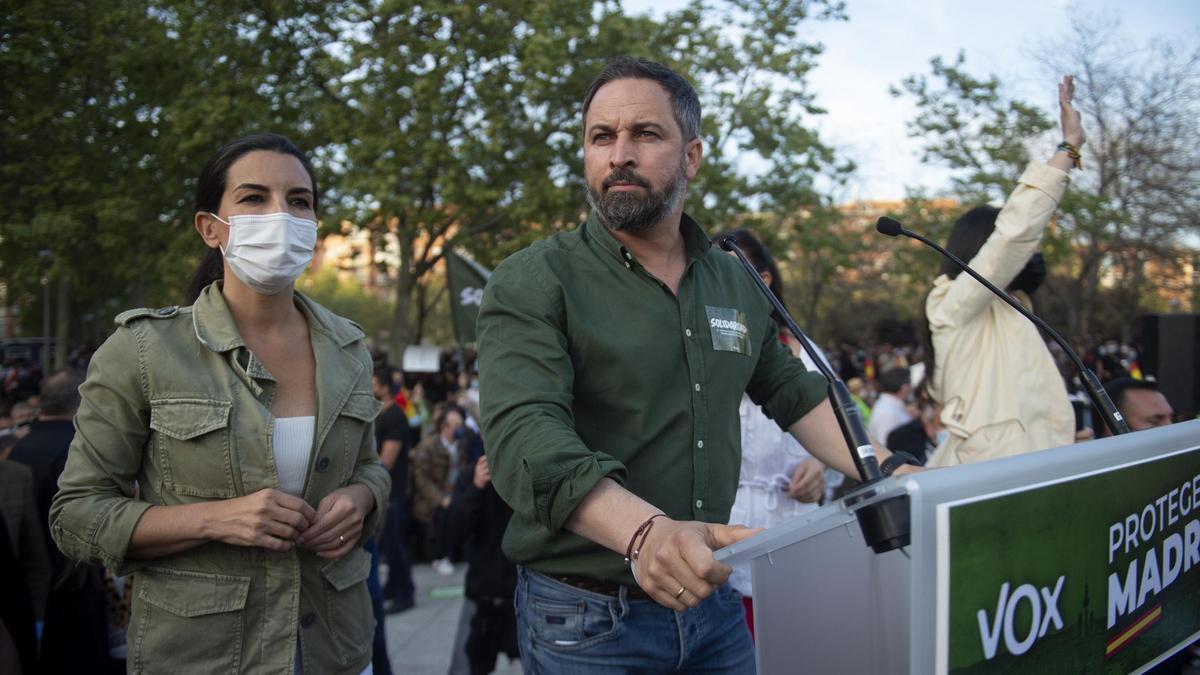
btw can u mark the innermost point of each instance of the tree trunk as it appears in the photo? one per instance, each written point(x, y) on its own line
point(63, 321)
point(401, 333)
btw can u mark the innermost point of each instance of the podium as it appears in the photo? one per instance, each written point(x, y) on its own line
point(1081, 559)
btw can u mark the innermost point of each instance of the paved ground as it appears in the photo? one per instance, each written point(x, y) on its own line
point(421, 640)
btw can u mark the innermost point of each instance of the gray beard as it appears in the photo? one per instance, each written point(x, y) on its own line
point(629, 212)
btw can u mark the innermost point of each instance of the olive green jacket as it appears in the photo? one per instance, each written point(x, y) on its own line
point(177, 408)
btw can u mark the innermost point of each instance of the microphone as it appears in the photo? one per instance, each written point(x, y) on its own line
point(844, 407)
point(1112, 417)
point(885, 524)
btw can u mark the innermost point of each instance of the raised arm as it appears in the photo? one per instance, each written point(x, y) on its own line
point(1019, 225)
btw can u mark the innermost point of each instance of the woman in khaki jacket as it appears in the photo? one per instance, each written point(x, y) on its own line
point(224, 452)
point(1000, 390)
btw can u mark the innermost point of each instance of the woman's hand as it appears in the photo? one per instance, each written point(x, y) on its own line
point(1072, 127)
point(808, 482)
point(339, 522)
point(268, 518)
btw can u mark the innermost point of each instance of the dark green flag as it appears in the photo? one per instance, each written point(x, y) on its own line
point(466, 279)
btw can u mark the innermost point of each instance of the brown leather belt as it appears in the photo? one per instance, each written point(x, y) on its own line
point(609, 588)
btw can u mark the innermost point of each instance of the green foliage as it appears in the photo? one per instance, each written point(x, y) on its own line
point(347, 298)
point(969, 124)
point(443, 123)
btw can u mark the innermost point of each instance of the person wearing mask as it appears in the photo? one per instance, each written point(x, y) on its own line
point(225, 453)
point(988, 367)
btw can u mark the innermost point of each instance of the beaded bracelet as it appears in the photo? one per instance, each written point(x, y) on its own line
point(1073, 153)
point(643, 531)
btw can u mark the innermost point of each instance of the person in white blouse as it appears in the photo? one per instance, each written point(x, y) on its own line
point(779, 479)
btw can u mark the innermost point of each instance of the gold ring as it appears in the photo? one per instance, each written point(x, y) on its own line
point(680, 592)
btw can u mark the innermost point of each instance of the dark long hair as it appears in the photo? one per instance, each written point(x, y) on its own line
point(970, 232)
point(759, 256)
point(210, 189)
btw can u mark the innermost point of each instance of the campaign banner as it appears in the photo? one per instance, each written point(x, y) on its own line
point(1096, 573)
point(466, 279)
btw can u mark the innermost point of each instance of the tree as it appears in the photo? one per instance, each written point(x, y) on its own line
point(1138, 194)
point(449, 136)
point(1142, 108)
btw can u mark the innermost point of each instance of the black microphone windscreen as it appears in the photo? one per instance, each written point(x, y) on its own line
point(888, 226)
point(728, 242)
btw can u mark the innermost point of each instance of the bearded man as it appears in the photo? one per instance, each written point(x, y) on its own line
point(612, 361)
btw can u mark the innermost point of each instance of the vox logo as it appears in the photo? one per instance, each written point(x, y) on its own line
point(1044, 605)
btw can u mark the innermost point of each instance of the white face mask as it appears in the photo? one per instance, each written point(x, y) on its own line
point(268, 252)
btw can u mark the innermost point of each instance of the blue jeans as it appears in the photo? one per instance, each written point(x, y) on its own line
point(399, 586)
point(563, 630)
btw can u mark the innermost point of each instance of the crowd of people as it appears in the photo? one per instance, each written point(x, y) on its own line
point(221, 489)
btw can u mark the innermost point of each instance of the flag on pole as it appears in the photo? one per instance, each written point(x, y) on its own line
point(466, 279)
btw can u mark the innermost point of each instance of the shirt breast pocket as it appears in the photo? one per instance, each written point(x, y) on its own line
point(192, 440)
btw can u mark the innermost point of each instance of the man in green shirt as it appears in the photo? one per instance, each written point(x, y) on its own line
point(612, 360)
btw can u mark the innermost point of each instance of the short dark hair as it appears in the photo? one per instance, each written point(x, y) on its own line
point(1116, 387)
point(210, 188)
point(60, 393)
point(893, 379)
point(683, 97)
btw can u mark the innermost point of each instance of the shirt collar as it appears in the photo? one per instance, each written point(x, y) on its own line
point(216, 329)
point(695, 241)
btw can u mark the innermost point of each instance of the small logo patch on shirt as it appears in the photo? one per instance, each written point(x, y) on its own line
point(729, 330)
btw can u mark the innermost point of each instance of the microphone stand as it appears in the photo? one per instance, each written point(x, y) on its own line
point(1112, 417)
point(885, 524)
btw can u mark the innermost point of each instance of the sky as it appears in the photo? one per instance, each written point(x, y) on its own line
point(884, 41)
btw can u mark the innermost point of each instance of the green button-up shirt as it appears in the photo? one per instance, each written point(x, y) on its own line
point(591, 367)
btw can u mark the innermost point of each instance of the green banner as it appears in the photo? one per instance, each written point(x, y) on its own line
point(1098, 573)
point(466, 279)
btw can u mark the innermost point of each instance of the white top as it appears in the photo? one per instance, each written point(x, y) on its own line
point(888, 413)
point(292, 441)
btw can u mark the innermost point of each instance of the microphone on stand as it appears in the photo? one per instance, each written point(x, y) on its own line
point(1112, 417)
point(848, 416)
point(885, 524)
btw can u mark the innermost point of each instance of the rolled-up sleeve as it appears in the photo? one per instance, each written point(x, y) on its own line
point(94, 512)
point(781, 384)
point(539, 464)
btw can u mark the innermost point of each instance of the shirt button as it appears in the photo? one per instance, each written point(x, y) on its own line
point(308, 620)
point(699, 503)
point(628, 255)
point(697, 386)
point(699, 444)
point(688, 332)
point(322, 464)
point(628, 266)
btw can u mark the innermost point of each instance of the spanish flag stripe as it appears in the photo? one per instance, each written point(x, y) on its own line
point(1133, 631)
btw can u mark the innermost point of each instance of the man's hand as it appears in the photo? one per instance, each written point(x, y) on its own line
point(482, 475)
point(678, 556)
point(808, 482)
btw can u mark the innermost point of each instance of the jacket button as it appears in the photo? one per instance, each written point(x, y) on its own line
point(308, 620)
point(322, 464)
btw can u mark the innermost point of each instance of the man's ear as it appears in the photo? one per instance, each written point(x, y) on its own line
point(692, 154)
point(207, 226)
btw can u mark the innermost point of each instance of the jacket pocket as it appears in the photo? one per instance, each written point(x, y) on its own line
point(192, 439)
point(348, 615)
point(187, 622)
